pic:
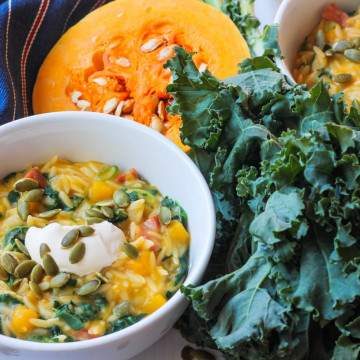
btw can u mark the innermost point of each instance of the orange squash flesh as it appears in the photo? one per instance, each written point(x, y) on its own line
point(112, 60)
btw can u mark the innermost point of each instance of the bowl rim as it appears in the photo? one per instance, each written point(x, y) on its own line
point(277, 20)
point(195, 272)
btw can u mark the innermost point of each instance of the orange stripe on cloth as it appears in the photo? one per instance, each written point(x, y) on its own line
point(26, 51)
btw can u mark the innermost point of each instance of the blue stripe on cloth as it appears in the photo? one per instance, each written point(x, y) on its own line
point(18, 16)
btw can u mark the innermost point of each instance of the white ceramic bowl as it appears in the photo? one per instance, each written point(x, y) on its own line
point(296, 19)
point(81, 136)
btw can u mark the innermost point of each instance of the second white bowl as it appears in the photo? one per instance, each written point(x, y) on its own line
point(296, 19)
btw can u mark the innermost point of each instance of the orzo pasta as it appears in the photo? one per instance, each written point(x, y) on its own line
point(85, 250)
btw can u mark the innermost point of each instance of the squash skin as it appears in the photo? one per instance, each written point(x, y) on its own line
point(195, 25)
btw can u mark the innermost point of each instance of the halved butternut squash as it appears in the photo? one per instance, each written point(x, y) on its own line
point(112, 60)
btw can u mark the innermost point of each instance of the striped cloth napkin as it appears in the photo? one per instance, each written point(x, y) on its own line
point(28, 30)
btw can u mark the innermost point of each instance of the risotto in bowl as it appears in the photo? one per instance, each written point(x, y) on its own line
point(319, 41)
point(101, 222)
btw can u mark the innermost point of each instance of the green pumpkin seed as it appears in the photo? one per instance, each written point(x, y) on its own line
point(23, 210)
point(101, 277)
point(352, 55)
point(44, 249)
point(342, 45)
point(3, 274)
point(86, 230)
point(16, 283)
point(165, 215)
point(49, 214)
point(105, 203)
point(50, 265)
point(59, 280)
point(19, 256)
point(26, 184)
point(107, 172)
point(24, 268)
point(188, 353)
point(64, 197)
point(94, 212)
point(320, 39)
point(121, 215)
point(89, 288)
point(37, 274)
point(77, 253)
point(122, 309)
point(9, 262)
point(121, 198)
point(21, 247)
point(94, 220)
point(342, 78)
point(70, 238)
point(108, 212)
point(33, 195)
point(130, 250)
point(34, 287)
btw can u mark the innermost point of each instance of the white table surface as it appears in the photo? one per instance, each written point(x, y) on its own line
point(169, 347)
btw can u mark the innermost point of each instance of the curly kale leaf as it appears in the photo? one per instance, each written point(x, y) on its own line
point(183, 269)
point(241, 127)
point(204, 125)
point(76, 315)
point(53, 336)
point(281, 214)
point(53, 200)
point(346, 349)
point(288, 216)
point(8, 299)
point(316, 109)
point(241, 12)
point(66, 313)
point(124, 322)
point(177, 212)
point(243, 316)
point(13, 196)
point(18, 232)
point(257, 63)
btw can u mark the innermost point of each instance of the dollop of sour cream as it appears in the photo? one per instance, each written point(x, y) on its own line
point(102, 247)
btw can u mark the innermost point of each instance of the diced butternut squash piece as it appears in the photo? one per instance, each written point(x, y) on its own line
point(154, 303)
point(178, 233)
point(97, 328)
point(100, 190)
point(142, 265)
point(20, 323)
